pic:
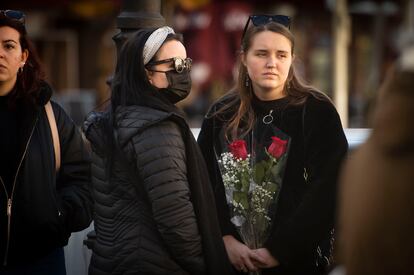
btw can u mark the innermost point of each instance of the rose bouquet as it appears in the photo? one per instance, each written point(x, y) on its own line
point(252, 186)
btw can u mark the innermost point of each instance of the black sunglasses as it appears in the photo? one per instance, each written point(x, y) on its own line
point(179, 63)
point(263, 19)
point(14, 15)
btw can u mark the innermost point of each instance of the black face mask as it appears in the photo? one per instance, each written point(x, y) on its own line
point(179, 86)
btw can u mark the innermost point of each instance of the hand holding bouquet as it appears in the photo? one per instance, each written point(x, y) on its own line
point(252, 187)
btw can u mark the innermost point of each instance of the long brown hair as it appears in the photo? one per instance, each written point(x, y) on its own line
point(30, 79)
point(241, 95)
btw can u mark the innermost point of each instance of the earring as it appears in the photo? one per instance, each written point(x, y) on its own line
point(246, 83)
point(21, 68)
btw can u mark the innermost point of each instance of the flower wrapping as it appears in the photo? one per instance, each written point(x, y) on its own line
point(252, 182)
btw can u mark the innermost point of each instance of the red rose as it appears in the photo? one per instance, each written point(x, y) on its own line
point(278, 147)
point(238, 149)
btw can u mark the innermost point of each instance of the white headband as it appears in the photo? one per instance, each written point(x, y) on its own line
point(154, 42)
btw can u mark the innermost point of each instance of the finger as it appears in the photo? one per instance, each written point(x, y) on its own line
point(254, 256)
point(246, 270)
point(239, 264)
point(242, 268)
point(248, 263)
point(259, 264)
point(258, 260)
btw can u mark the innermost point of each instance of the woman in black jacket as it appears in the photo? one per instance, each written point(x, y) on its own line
point(151, 190)
point(290, 127)
point(39, 205)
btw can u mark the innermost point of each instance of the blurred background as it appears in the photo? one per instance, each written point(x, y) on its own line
point(343, 47)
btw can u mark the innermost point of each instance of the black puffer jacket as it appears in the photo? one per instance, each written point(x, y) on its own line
point(46, 207)
point(144, 218)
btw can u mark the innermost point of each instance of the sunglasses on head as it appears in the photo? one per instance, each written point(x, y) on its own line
point(179, 64)
point(14, 15)
point(263, 19)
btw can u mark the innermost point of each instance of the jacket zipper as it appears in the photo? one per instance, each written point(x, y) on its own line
point(8, 210)
point(10, 199)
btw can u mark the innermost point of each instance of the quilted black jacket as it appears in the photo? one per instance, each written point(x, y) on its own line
point(144, 218)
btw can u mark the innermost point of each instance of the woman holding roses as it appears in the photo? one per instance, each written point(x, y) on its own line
point(273, 114)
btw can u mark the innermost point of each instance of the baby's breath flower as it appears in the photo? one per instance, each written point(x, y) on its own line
point(249, 201)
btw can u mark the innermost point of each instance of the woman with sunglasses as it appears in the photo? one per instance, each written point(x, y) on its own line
point(40, 205)
point(153, 200)
point(270, 101)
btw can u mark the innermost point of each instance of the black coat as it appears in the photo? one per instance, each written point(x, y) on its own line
point(150, 215)
point(305, 211)
point(46, 207)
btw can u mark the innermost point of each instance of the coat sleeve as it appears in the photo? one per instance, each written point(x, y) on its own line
point(73, 178)
point(205, 141)
point(161, 162)
point(326, 147)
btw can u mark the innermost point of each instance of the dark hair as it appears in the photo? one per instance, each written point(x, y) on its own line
point(130, 85)
point(29, 81)
point(240, 96)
